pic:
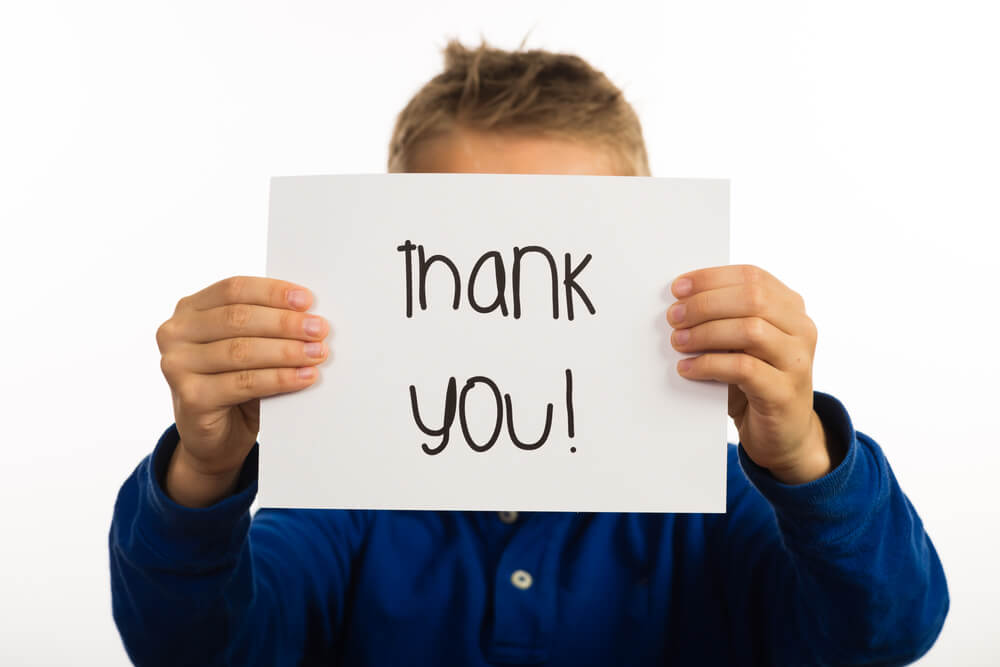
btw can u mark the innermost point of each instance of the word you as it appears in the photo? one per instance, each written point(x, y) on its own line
point(454, 403)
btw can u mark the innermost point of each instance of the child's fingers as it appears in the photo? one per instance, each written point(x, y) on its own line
point(747, 300)
point(752, 335)
point(243, 320)
point(755, 377)
point(703, 280)
point(250, 290)
point(240, 353)
point(203, 393)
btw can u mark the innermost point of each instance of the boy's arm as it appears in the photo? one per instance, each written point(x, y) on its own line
point(208, 586)
point(834, 566)
point(835, 571)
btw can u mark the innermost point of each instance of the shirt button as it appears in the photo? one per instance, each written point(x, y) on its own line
point(521, 579)
point(508, 517)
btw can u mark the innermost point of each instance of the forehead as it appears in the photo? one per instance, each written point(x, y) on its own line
point(463, 150)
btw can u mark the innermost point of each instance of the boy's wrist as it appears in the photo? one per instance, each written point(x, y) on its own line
point(186, 485)
point(820, 455)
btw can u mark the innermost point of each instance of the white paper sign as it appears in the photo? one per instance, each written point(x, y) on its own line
point(499, 343)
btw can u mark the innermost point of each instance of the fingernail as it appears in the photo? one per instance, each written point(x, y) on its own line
point(684, 365)
point(677, 312)
point(314, 350)
point(682, 336)
point(313, 326)
point(682, 286)
point(306, 373)
point(298, 298)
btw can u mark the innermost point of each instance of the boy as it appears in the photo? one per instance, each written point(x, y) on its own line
point(819, 559)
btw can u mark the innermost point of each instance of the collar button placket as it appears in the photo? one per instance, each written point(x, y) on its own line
point(526, 586)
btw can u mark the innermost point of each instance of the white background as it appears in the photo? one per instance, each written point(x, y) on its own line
point(137, 138)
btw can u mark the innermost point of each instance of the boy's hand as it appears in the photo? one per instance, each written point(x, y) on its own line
point(753, 333)
point(224, 349)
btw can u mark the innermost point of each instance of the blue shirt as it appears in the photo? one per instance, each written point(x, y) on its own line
point(837, 571)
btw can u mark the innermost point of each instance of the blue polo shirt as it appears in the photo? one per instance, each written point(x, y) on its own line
point(834, 572)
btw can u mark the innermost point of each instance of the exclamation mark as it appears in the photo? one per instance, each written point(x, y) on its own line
point(570, 427)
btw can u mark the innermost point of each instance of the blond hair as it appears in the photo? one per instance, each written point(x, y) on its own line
point(532, 92)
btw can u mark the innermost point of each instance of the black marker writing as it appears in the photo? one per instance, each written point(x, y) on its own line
point(425, 264)
point(501, 280)
point(510, 426)
point(449, 417)
point(571, 286)
point(461, 413)
point(570, 421)
point(518, 255)
point(408, 248)
point(503, 403)
point(570, 280)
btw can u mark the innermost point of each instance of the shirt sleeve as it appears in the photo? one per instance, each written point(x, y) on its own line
point(836, 571)
point(211, 586)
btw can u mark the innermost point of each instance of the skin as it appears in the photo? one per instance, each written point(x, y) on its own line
point(245, 338)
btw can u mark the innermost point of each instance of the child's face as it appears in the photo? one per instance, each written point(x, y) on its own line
point(472, 151)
